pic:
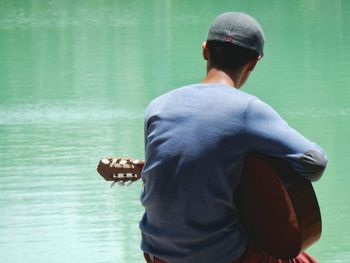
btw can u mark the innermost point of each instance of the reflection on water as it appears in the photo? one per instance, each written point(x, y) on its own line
point(75, 78)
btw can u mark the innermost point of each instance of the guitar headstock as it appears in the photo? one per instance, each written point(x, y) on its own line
point(120, 170)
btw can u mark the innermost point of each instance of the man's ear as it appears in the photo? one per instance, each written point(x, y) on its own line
point(205, 50)
point(252, 64)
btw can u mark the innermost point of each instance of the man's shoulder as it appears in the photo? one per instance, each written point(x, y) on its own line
point(167, 95)
point(221, 94)
point(210, 89)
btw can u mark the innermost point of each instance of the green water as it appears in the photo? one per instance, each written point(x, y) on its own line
point(76, 76)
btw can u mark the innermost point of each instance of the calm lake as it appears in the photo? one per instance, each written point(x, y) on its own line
point(76, 77)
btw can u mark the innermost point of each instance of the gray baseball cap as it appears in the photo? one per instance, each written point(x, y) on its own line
point(239, 29)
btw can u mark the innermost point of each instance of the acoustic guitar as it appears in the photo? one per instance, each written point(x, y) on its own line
point(278, 207)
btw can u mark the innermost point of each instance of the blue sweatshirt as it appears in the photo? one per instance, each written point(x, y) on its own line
point(196, 141)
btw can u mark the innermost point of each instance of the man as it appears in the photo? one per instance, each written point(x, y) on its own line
point(197, 138)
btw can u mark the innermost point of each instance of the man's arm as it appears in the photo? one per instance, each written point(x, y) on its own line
point(269, 134)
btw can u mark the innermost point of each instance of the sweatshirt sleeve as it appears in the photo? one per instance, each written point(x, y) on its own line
point(267, 133)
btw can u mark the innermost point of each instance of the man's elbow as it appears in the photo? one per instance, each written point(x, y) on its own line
point(314, 164)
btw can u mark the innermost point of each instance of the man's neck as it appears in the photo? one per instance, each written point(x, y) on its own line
point(215, 75)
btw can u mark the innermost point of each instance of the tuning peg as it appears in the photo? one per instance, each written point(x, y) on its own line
point(123, 162)
point(114, 161)
point(105, 161)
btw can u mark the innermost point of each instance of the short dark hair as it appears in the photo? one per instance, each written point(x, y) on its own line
point(224, 55)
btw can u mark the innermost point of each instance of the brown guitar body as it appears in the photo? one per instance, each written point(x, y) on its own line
point(278, 206)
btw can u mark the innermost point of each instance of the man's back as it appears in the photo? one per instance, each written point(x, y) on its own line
point(195, 151)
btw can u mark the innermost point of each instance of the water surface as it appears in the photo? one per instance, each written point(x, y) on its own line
point(76, 76)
